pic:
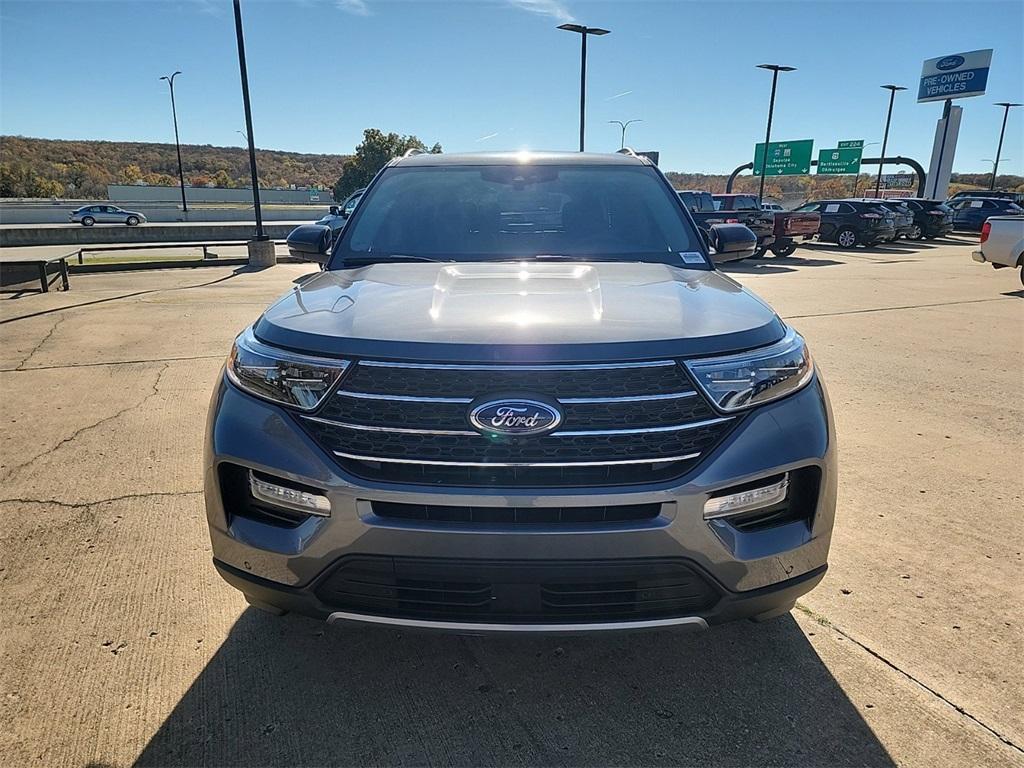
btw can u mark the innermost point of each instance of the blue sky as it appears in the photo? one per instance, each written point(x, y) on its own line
point(496, 74)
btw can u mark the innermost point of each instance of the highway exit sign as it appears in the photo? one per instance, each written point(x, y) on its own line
point(851, 144)
point(842, 160)
point(785, 158)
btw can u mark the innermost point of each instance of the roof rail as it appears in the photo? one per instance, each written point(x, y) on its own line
point(626, 151)
point(412, 151)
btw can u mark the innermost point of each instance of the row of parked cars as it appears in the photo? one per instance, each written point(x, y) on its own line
point(850, 222)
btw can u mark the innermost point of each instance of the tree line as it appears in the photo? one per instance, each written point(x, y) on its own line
point(83, 169)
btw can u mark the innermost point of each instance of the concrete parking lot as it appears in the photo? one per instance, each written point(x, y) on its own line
point(119, 645)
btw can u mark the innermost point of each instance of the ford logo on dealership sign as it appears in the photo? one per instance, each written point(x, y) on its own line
point(514, 417)
point(949, 62)
point(955, 76)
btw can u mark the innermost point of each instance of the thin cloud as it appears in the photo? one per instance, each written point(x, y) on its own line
point(551, 8)
point(488, 136)
point(355, 7)
point(618, 96)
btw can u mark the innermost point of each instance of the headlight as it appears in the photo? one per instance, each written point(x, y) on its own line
point(759, 376)
point(282, 376)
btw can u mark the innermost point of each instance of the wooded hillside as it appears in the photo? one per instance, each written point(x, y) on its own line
point(82, 169)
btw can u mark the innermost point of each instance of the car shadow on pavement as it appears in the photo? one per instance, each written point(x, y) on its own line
point(774, 265)
point(292, 691)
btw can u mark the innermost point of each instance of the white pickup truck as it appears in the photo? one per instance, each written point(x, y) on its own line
point(1002, 243)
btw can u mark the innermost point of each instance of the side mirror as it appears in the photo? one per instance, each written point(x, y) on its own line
point(334, 210)
point(310, 242)
point(731, 242)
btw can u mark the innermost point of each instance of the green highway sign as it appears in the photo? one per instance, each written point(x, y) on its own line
point(785, 158)
point(851, 144)
point(832, 162)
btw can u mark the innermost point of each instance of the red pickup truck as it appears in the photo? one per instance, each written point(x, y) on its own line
point(788, 225)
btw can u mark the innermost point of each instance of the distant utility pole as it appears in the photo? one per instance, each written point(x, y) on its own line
point(624, 126)
point(584, 32)
point(177, 144)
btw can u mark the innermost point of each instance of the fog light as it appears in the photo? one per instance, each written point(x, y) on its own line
point(746, 500)
point(289, 498)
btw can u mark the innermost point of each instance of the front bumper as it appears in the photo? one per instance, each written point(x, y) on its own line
point(751, 574)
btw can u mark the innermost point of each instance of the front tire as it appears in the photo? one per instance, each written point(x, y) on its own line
point(132, 221)
point(847, 238)
point(88, 221)
point(915, 233)
point(784, 250)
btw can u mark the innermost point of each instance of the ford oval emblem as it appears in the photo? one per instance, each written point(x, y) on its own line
point(515, 417)
point(950, 62)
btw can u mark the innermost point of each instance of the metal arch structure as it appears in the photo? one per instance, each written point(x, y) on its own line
point(898, 160)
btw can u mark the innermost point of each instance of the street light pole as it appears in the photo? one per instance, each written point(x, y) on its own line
point(1006, 112)
point(177, 144)
point(885, 137)
point(624, 126)
point(775, 69)
point(260, 235)
point(583, 32)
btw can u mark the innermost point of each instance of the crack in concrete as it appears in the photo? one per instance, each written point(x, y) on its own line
point(112, 363)
point(155, 391)
point(894, 309)
point(42, 341)
point(825, 622)
point(88, 504)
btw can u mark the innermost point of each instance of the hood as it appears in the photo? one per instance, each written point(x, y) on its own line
point(519, 311)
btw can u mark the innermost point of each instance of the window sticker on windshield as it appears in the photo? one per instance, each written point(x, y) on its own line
point(832, 208)
point(691, 257)
point(976, 204)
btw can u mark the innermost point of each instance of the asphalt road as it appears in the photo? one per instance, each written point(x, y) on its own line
point(119, 645)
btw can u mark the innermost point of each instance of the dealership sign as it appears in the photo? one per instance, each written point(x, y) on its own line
point(785, 158)
point(955, 77)
point(898, 180)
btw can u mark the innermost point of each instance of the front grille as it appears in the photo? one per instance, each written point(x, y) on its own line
point(622, 424)
point(437, 513)
point(516, 591)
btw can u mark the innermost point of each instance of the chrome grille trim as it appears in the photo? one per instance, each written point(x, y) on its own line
point(626, 398)
point(526, 367)
point(356, 457)
point(471, 433)
point(405, 398)
point(398, 430)
point(643, 430)
point(564, 400)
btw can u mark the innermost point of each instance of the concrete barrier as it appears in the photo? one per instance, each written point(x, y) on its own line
point(147, 233)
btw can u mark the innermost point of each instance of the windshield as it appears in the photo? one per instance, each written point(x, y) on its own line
point(470, 213)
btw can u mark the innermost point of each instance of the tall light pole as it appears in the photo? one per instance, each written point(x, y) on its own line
point(260, 234)
point(177, 144)
point(885, 137)
point(775, 69)
point(624, 126)
point(583, 32)
point(995, 164)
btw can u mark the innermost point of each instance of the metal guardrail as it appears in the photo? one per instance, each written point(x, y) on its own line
point(163, 246)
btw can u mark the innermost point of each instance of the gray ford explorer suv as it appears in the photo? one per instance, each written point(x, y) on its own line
point(521, 398)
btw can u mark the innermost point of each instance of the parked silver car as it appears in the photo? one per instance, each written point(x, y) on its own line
point(105, 214)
